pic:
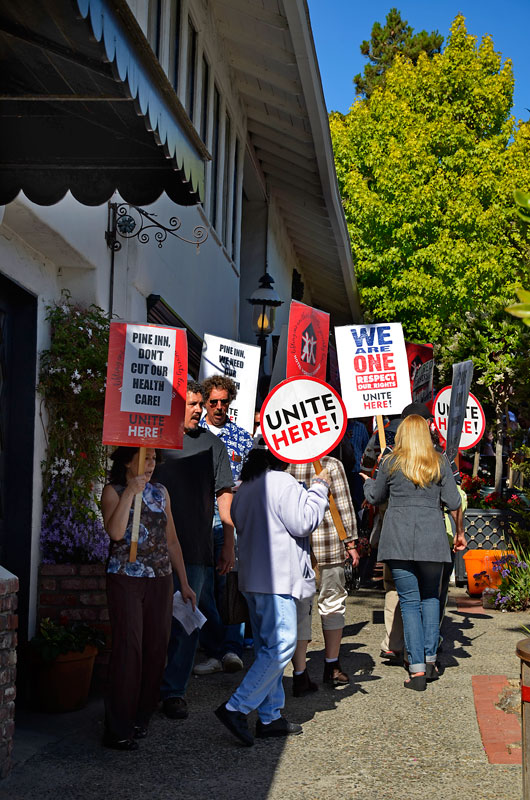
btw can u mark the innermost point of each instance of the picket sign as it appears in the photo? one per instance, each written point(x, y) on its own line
point(319, 418)
point(240, 362)
point(145, 394)
point(374, 371)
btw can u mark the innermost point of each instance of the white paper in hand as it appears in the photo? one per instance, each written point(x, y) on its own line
point(188, 618)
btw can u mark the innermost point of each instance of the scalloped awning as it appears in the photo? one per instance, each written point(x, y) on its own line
point(86, 107)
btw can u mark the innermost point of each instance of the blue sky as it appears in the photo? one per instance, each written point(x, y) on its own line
point(339, 27)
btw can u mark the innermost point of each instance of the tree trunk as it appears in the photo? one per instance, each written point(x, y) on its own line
point(498, 447)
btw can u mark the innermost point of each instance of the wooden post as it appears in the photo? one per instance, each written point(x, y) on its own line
point(381, 433)
point(335, 513)
point(523, 651)
point(137, 507)
point(476, 463)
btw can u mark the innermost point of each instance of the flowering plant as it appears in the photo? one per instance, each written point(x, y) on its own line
point(514, 590)
point(475, 487)
point(72, 385)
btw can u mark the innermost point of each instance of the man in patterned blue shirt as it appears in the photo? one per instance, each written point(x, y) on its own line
point(219, 393)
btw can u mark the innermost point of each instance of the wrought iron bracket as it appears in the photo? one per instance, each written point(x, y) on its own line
point(129, 222)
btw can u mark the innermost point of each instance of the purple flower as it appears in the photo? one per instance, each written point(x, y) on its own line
point(505, 573)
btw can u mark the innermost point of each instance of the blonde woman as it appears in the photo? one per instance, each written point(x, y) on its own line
point(416, 481)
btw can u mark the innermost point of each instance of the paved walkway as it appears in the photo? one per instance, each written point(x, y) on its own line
point(372, 740)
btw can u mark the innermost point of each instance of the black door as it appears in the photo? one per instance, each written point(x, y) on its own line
point(18, 343)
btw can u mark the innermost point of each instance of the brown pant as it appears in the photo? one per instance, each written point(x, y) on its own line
point(140, 618)
point(394, 639)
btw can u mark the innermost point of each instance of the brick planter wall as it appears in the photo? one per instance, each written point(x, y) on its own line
point(8, 669)
point(77, 592)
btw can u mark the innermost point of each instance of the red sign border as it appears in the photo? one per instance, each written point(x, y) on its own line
point(314, 380)
point(477, 401)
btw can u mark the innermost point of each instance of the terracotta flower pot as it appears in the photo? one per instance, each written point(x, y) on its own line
point(63, 684)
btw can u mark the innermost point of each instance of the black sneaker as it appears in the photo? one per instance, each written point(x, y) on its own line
point(280, 727)
point(236, 722)
point(126, 745)
point(175, 708)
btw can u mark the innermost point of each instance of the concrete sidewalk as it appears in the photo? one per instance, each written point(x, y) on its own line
point(372, 740)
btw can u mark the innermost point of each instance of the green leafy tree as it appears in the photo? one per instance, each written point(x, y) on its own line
point(396, 36)
point(426, 168)
point(499, 347)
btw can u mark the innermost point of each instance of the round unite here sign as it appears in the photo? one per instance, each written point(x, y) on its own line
point(302, 419)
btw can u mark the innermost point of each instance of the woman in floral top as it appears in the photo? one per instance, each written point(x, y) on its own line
point(139, 595)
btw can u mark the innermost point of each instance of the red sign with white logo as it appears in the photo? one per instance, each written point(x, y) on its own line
point(421, 369)
point(307, 341)
point(145, 395)
point(302, 419)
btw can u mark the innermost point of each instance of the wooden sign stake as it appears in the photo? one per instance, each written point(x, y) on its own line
point(335, 513)
point(137, 507)
point(381, 433)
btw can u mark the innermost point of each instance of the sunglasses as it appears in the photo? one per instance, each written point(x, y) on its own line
point(216, 402)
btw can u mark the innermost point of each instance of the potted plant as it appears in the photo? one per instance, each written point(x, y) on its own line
point(514, 589)
point(491, 521)
point(62, 658)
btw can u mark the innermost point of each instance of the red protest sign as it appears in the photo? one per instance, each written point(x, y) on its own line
point(302, 419)
point(146, 386)
point(421, 369)
point(307, 341)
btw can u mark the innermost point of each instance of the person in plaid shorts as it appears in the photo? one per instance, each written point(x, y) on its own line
point(330, 553)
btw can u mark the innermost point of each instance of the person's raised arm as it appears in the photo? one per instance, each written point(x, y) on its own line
point(302, 510)
point(115, 508)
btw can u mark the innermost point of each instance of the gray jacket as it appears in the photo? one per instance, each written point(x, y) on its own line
point(413, 527)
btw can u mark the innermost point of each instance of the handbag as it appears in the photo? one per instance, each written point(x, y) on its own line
point(234, 608)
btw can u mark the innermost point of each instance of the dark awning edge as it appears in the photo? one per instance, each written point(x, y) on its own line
point(159, 118)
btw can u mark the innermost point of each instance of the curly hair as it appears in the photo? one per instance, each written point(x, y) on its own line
point(220, 382)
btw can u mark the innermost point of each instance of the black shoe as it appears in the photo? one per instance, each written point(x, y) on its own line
point(418, 683)
point(431, 673)
point(175, 708)
point(302, 684)
point(333, 674)
point(140, 732)
point(391, 656)
point(236, 722)
point(280, 727)
point(118, 744)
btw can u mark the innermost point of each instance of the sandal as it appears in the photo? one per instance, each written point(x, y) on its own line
point(431, 673)
point(417, 682)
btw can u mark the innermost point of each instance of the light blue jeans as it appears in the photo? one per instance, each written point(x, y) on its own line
point(418, 585)
point(273, 620)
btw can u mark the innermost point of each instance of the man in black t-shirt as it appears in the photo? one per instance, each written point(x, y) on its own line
point(193, 476)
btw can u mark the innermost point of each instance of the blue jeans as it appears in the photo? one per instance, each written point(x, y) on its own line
point(233, 634)
point(182, 647)
point(273, 620)
point(418, 586)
